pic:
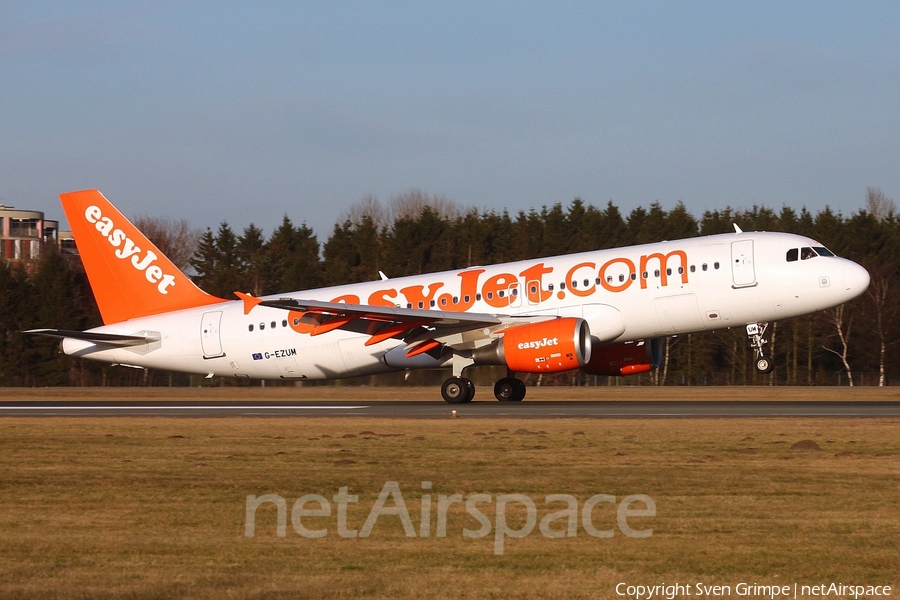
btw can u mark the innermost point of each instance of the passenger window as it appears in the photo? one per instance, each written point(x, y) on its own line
point(587, 282)
point(468, 298)
point(273, 324)
point(693, 268)
point(715, 265)
point(478, 297)
point(793, 254)
point(443, 302)
point(262, 326)
point(432, 304)
point(644, 274)
point(490, 295)
point(550, 287)
point(562, 285)
point(500, 293)
point(284, 323)
point(621, 278)
point(633, 276)
point(668, 271)
point(251, 327)
point(574, 284)
point(704, 267)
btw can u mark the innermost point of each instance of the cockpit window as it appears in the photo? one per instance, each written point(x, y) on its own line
point(806, 253)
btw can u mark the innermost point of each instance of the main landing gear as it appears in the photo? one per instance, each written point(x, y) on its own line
point(459, 390)
point(509, 389)
point(755, 332)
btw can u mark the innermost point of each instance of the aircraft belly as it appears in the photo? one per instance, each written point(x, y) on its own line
point(679, 313)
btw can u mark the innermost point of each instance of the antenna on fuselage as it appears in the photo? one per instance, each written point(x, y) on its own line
point(737, 229)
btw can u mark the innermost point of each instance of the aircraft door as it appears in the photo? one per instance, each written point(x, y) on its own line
point(210, 334)
point(515, 298)
point(533, 292)
point(742, 268)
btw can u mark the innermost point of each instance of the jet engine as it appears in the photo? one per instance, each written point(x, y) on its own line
point(545, 347)
point(625, 358)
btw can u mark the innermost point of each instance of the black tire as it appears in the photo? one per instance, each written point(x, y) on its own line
point(521, 389)
point(509, 389)
point(505, 390)
point(457, 390)
point(764, 365)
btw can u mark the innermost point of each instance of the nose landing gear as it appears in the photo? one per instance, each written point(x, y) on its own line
point(755, 332)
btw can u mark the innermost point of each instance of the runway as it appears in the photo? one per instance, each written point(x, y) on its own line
point(476, 410)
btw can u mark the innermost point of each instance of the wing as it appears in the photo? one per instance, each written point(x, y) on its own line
point(422, 330)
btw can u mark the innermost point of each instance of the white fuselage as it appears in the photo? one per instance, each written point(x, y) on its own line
point(624, 294)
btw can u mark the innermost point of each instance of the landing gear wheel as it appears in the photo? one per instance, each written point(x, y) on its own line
point(764, 365)
point(756, 331)
point(471, 387)
point(509, 389)
point(457, 390)
point(520, 389)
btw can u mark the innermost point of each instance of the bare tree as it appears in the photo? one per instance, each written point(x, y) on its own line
point(878, 205)
point(369, 207)
point(410, 205)
point(838, 320)
point(883, 301)
point(176, 239)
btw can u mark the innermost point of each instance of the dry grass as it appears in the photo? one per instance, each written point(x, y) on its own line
point(155, 508)
point(412, 393)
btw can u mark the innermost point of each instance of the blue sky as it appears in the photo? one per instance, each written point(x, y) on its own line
point(244, 112)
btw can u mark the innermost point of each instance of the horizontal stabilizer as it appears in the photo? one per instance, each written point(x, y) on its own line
point(110, 339)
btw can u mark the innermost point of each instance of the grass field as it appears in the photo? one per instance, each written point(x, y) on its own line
point(156, 507)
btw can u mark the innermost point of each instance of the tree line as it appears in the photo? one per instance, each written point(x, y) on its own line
point(417, 233)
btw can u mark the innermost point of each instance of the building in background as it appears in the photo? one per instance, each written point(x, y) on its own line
point(24, 234)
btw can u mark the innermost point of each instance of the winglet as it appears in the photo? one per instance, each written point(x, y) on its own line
point(250, 302)
point(130, 277)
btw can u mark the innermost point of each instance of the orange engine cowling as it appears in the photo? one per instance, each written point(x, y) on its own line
point(546, 347)
point(625, 358)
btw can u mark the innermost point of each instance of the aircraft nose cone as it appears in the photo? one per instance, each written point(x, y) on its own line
point(854, 279)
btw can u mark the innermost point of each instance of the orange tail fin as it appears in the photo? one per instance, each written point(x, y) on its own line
point(130, 277)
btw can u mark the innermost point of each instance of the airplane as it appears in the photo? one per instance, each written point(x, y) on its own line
point(605, 312)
